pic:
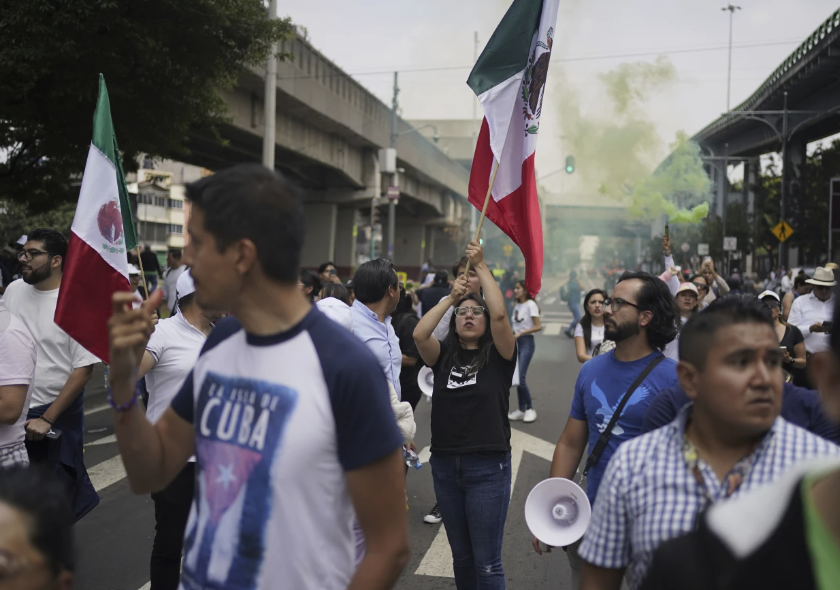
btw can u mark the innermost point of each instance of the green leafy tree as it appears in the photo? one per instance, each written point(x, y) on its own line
point(163, 60)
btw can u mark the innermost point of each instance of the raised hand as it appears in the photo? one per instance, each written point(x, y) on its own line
point(459, 289)
point(475, 253)
point(128, 332)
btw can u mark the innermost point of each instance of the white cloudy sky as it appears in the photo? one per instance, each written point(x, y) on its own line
point(370, 38)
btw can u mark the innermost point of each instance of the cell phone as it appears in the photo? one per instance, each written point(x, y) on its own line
point(783, 348)
point(53, 434)
point(828, 326)
point(667, 232)
point(678, 268)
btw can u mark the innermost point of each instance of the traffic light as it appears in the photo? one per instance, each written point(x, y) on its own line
point(570, 164)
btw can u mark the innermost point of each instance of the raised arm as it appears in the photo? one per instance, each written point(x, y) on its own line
point(427, 344)
point(673, 280)
point(499, 323)
point(152, 455)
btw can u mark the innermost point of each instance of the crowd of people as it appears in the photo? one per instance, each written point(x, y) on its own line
point(261, 404)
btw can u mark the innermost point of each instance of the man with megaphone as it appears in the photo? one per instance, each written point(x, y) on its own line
point(729, 441)
point(614, 390)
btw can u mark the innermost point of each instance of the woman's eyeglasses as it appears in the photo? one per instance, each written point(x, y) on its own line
point(616, 304)
point(477, 311)
point(701, 286)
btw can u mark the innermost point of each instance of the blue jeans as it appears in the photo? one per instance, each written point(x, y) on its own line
point(473, 494)
point(526, 346)
point(575, 309)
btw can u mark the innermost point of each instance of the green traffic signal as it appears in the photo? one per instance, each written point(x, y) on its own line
point(570, 164)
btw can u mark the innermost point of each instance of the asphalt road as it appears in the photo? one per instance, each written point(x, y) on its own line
point(114, 540)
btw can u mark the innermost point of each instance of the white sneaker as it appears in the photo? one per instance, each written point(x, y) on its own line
point(530, 415)
point(516, 415)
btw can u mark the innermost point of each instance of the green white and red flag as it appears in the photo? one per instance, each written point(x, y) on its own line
point(509, 79)
point(101, 234)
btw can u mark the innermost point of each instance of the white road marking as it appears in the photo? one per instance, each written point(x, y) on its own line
point(147, 586)
point(552, 329)
point(107, 473)
point(549, 300)
point(438, 558)
point(105, 440)
point(96, 409)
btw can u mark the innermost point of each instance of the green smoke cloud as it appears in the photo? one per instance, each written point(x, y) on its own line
point(618, 148)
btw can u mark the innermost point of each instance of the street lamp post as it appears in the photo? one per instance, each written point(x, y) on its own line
point(731, 9)
point(270, 103)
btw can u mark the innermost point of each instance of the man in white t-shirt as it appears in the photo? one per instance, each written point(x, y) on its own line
point(63, 366)
point(287, 414)
point(17, 374)
point(170, 281)
point(170, 355)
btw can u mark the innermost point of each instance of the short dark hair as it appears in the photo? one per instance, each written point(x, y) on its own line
point(800, 280)
point(54, 242)
point(336, 290)
point(324, 266)
point(44, 499)
point(249, 201)
point(698, 333)
point(459, 264)
point(441, 278)
point(654, 296)
point(176, 253)
point(372, 280)
point(310, 279)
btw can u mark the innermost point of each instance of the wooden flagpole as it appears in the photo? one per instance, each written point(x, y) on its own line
point(142, 274)
point(483, 212)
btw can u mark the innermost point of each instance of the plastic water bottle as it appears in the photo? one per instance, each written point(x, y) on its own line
point(411, 459)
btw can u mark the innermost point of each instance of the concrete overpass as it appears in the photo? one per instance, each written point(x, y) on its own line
point(328, 132)
point(798, 103)
point(591, 215)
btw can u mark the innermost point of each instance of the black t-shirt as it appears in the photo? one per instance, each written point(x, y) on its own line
point(792, 337)
point(470, 411)
point(404, 330)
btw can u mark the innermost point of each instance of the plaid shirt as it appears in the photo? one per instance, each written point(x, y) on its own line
point(648, 494)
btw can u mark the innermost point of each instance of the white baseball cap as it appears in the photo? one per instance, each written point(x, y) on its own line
point(688, 287)
point(185, 285)
point(22, 240)
point(772, 294)
point(133, 270)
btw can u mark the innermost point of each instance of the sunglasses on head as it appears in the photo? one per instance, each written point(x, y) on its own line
point(701, 286)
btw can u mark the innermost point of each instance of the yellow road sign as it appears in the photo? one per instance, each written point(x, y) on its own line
point(782, 231)
point(508, 249)
point(402, 277)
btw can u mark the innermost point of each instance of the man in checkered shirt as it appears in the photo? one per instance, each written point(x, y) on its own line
point(729, 441)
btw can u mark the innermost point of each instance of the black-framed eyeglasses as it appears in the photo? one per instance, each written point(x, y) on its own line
point(701, 286)
point(477, 311)
point(28, 255)
point(615, 303)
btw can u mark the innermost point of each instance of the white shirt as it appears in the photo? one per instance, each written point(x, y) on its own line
point(17, 367)
point(175, 344)
point(672, 349)
point(596, 336)
point(442, 329)
point(806, 311)
point(523, 316)
point(337, 311)
point(787, 284)
point(58, 354)
point(279, 420)
point(169, 285)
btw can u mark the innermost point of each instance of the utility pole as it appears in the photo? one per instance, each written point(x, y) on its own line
point(473, 210)
point(270, 103)
point(785, 176)
point(731, 8)
point(392, 203)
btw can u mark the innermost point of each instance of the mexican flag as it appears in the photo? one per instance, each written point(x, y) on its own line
point(101, 234)
point(509, 79)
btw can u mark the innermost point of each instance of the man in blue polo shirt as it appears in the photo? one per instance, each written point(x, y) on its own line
point(288, 417)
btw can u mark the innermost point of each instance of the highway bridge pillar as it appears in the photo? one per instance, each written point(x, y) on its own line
point(321, 221)
point(409, 248)
point(346, 229)
point(794, 170)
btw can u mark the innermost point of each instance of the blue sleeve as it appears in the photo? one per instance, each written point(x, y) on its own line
point(578, 411)
point(803, 407)
point(664, 408)
point(366, 429)
point(184, 401)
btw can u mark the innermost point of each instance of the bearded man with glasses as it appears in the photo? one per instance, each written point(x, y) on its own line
point(55, 424)
point(641, 317)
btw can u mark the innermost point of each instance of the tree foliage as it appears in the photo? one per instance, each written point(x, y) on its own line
point(163, 61)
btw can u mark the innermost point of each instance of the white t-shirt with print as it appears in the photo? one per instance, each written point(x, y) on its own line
point(17, 367)
point(523, 314)
point(58, 354)
point(597, 334)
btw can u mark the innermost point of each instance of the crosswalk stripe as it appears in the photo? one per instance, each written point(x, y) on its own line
point(107, 473)
point(105, 440)
point(552, 329)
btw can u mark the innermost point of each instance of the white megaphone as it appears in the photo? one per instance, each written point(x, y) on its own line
point(557, 512)
point(426, 381)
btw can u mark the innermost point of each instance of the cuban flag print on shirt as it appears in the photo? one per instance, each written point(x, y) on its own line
point(278, 421)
